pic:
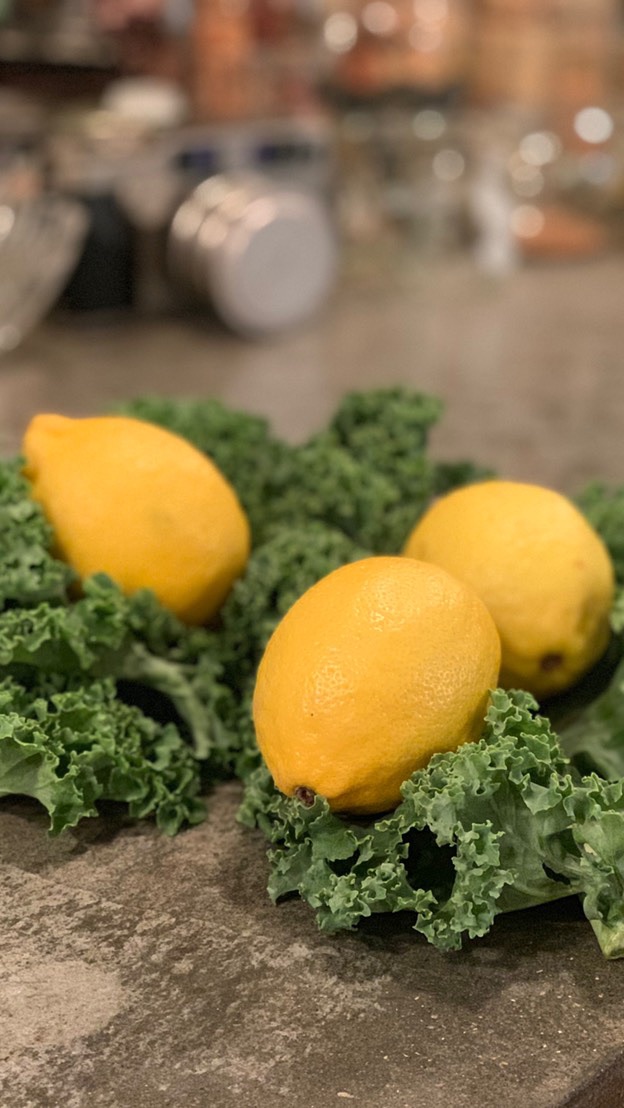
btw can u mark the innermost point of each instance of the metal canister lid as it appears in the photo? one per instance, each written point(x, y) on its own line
point(264, 254)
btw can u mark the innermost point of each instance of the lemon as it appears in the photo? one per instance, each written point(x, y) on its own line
point(141, 504)
point(378, 666)
point(540, 568)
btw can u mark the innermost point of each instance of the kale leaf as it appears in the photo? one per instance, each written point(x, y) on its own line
point(496, 825)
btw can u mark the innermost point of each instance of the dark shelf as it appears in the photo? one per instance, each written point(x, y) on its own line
point(55, 80)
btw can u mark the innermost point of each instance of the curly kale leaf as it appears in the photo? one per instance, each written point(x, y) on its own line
point(105, 634)
point(327, 484)
point(69, 744)
point(386, 432)
point(496, 825)
point(594, 738)
point(604, 508)
point(29, 573)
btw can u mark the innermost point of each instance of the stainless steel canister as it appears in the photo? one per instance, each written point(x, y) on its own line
point(263, 254)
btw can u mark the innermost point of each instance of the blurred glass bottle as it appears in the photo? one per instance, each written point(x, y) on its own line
point(395, 70)
point(254, 59)
point(222, 52)
point(415, 51)
point(548, 66)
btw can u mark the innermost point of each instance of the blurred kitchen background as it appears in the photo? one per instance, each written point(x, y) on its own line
point(239, 159)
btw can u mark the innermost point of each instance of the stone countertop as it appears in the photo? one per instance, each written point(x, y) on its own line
point(144, 972)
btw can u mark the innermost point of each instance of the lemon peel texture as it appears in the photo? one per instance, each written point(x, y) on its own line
point(378, 666)
point(538, 565)
point(139, 503)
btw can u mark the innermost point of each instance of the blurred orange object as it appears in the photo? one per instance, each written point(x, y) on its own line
point(223, 61)
point(557, 232)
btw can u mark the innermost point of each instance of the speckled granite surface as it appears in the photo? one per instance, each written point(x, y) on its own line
point(149, 973)
point(142, 972)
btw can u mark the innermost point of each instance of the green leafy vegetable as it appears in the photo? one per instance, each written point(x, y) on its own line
point(497, 825)
point(28, 571)
point(594, 738)
point(604, 508)
point(133, 639)
point(387, 432)
point(68, 744)
point(326, 483)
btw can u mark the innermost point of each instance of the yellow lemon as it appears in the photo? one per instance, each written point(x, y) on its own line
point(374, 669)
point(141, 504)
point(540, 568)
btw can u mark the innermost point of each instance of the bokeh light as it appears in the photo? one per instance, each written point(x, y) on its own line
point(7, 219)
point(431, 11)
point(449, 165)
point(539, 148)
point(593, 125)
point(527, 180)
point(429, 124)
point(425, 39)
point(527, 221)
point(340, 32)
point(380, 18)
